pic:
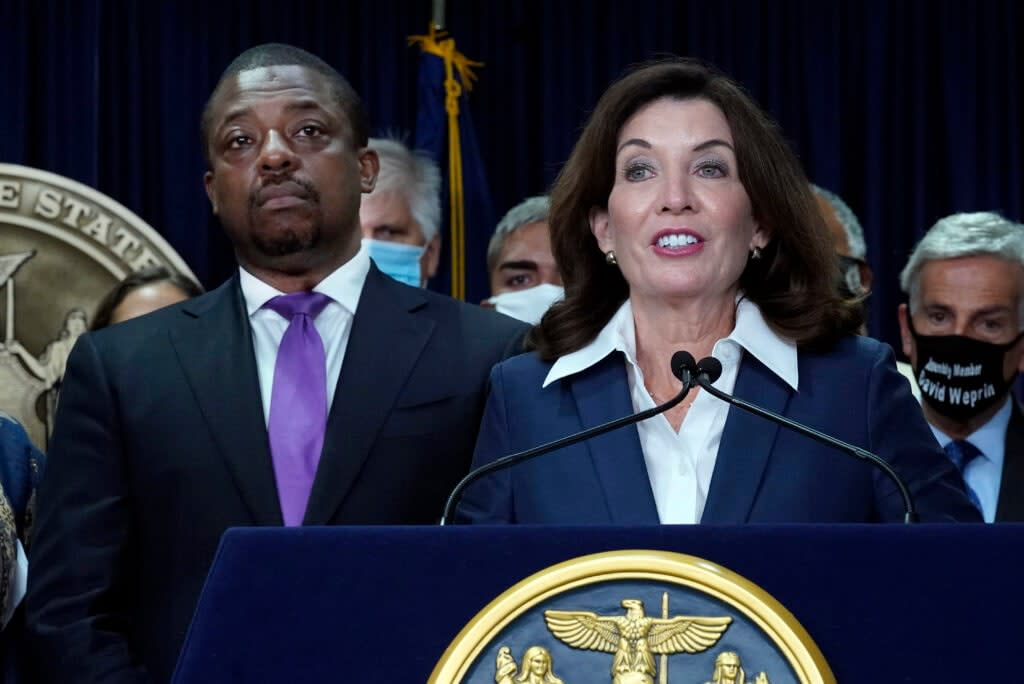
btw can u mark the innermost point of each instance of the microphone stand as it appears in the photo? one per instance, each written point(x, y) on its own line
point(706, 369)
point(682, 368)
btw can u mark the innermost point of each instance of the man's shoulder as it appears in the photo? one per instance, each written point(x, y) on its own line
point(480, 318)
point(161, 321)
point(470, 322)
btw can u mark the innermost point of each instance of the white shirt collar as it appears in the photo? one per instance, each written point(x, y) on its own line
point(344, 285)
point(751, 332)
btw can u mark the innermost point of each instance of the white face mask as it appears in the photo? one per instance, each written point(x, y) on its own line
point(528, 305)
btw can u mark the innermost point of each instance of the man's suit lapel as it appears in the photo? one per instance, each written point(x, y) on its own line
point(602, 395)
point(386, 339)
point(215, 350)
point(746, 445)
point(1011, 487)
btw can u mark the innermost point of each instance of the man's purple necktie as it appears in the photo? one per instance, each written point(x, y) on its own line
point(298, 402)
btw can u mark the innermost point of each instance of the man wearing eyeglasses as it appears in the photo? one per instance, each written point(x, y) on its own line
point(854, 273)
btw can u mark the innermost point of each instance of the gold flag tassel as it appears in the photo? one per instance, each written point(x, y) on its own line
point(437, 42)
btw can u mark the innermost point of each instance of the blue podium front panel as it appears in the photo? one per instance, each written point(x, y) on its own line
point(884, 603)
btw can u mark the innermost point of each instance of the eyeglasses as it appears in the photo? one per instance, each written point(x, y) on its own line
point(850, 269)
point(847, 263)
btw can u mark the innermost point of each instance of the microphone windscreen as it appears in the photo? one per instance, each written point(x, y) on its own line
point(682, 361)
point(711, 367)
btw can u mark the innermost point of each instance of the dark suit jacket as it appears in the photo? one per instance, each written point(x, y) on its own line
point(763, 473)
point(1010, 507)
point(160, 445)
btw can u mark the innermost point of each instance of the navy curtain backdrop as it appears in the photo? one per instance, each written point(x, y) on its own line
point(910, 110)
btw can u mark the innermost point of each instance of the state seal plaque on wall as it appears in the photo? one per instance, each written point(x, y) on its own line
point(63, 245)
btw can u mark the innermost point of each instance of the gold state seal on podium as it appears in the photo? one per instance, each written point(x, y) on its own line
point(633, 617)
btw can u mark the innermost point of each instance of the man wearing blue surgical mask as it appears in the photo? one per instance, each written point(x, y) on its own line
point(962, 330)
point(402, 216)
point(525, 280)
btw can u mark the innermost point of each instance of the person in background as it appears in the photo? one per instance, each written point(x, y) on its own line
point(682, 221)
point(524, 277)
point(141, 292)
point(401, 218)
point(855, 275)
point(21, 469)
point(848, 236)
point(962, 330)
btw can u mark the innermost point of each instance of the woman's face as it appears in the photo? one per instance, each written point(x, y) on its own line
point(678, 218)
point(147, 298)
point(539, 664)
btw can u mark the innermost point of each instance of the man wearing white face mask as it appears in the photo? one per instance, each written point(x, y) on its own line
point(525, 280)
point(402, 216)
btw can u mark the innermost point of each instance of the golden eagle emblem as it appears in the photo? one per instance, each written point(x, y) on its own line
point(635, 638)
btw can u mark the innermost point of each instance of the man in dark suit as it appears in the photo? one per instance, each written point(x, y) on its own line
point(309, 389)
point(962, 330)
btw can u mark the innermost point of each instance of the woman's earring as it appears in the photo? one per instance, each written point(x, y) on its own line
point(755, 253)
point(610, 259)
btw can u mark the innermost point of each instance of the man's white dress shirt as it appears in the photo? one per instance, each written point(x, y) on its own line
point(334, 323)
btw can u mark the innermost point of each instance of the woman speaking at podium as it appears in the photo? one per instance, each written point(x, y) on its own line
point(682, 221)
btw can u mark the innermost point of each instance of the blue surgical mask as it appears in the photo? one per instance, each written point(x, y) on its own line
point(528, 305)
point(400, 261)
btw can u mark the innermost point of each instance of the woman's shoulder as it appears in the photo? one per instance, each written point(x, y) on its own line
point(526, 368)
point(529, 374)
point(850, 351)
point(21, 463)
point(12, 434)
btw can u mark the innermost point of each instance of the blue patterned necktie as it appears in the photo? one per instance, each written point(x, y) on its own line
point(961, 453)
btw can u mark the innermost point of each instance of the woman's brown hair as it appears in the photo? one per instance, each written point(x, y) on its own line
point(793, 283)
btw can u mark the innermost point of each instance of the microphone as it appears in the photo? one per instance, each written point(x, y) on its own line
point(709, 369)
point(683, 367)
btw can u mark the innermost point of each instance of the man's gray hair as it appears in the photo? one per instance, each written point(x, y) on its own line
point(981, 233)
point(416, 176)
point(530, 210)
point(854, 233)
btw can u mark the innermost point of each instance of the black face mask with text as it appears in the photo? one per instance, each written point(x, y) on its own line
point(960, 377)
